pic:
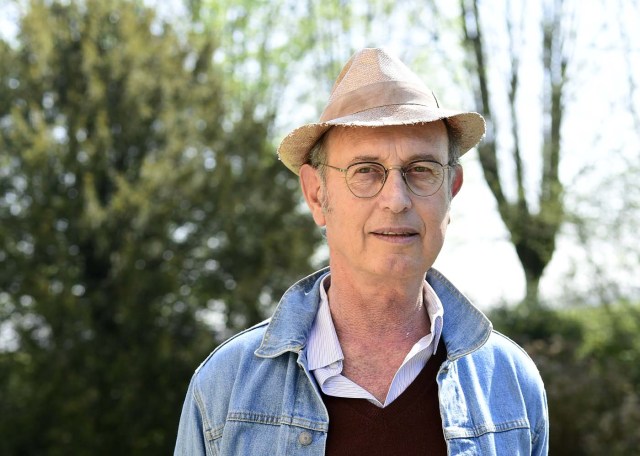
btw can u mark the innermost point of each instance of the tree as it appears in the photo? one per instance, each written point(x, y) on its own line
point(533, 227)
point(136, 212)
point(605, 213)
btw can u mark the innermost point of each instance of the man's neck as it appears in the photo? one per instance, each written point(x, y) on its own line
point(378, 309)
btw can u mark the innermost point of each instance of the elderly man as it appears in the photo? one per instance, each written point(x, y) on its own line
point(378, 354)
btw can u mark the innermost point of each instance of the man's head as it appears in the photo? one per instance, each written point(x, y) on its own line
point(384, 198)
point(381, 167)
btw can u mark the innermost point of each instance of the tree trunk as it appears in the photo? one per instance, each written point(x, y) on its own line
point(533, 233)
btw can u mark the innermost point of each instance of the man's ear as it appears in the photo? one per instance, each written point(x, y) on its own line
point(457, 181)
point(313, 192)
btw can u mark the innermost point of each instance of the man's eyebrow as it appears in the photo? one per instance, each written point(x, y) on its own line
point(365, 158)
point(376, 158)
point(423, 156)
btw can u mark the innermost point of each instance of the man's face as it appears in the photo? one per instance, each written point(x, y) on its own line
point(395, 234)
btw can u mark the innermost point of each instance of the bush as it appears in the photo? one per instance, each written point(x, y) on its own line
point(589, 359)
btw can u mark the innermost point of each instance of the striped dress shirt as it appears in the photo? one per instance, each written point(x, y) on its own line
point(325, 356)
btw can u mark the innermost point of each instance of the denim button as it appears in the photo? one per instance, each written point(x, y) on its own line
point(305, 438)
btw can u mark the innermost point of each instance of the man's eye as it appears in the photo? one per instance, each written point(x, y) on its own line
point(420, 169)
point(366, 169)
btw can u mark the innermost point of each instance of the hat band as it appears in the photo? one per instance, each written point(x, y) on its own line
point(386, 93)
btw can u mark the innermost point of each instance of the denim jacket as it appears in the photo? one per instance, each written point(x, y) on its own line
point(254, 395)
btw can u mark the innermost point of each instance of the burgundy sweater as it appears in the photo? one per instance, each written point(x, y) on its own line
point(410, 425)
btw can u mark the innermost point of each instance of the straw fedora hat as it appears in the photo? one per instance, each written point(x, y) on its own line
point(375, 89)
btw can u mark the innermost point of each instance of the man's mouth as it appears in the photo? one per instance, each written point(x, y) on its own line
point(395, 234)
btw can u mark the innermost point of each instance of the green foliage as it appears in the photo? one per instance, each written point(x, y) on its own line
point(589, 359)
point(266, 45)
point(133, 209)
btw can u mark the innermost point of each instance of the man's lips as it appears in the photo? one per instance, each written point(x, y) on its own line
point(396, 236)
point(395, 232)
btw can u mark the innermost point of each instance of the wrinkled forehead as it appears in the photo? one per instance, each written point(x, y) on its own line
point(393, 142)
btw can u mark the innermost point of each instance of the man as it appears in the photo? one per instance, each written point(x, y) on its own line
point(378, 354)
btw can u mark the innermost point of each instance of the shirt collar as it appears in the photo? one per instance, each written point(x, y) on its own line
point(435, 310)
point(323, 347)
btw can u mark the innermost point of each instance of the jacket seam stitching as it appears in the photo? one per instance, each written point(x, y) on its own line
point(201, 409)
point(537, 432)
point(478, 431)
point(227, 341)
point(251, 417)
point(507, 338)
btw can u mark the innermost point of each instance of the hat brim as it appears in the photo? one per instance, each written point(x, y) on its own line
point(468, 127)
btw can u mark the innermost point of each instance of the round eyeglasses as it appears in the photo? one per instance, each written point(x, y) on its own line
point(366, 179)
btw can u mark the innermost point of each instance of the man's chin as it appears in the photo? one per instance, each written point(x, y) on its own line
point(401, 269)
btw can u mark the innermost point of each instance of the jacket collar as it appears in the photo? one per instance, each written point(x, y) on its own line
point(465, 327)
point(292, 320)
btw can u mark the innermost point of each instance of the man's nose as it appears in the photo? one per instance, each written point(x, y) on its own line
point(395, 193)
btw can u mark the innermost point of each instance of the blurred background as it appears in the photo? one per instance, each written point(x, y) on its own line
point(144, 216)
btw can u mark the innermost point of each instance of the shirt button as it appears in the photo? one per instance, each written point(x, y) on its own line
point(305, 438)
